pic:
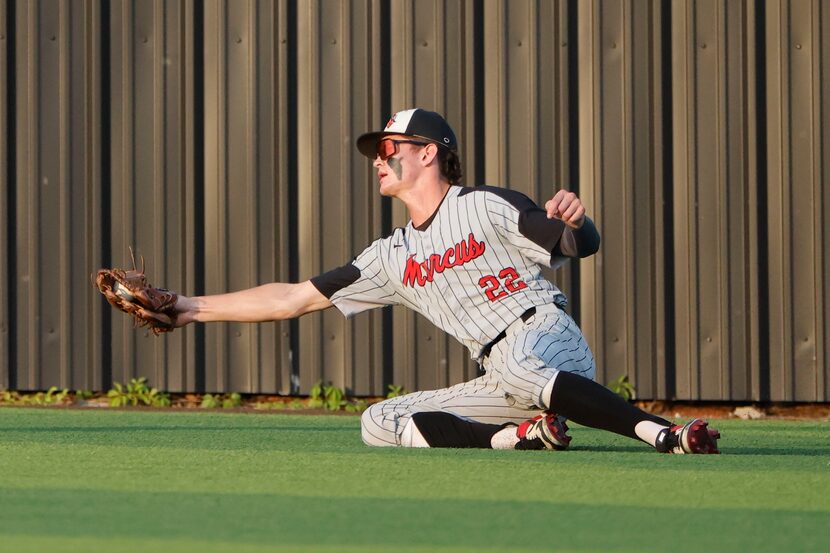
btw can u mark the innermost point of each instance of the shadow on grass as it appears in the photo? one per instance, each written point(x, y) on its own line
point(817, 451)
point(106, 429)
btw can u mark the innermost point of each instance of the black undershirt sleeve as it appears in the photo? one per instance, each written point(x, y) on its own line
point(329, 283)
point(551, 234)
point(580, 242)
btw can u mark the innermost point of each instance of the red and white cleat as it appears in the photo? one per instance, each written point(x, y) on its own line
point(545, 431)
point(693, 437)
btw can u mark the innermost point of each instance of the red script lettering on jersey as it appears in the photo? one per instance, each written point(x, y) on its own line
point(420, 272)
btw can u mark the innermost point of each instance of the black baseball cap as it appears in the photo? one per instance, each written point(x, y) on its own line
point(416, 122)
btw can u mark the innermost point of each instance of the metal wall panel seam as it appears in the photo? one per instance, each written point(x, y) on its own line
point(407, 46)
point(540, 191)
point(467, 126)
point(781, 304)
point(773, 108)
point(237, 186)
point(658, 328)
point(93, 146)
point(811, 343)
point(224, 379)
point(495, 166)
point(34, 341)
point(440, 70)
point(187, 180)
point(563, 43)
point(642, 152)
point(5, 315)
point(308, 196)
point(402, 68)
point(752, 177)
point(213, 152)
point(564, 172)
point(683, 96)
point(161, 226)
point(442, 340)
point(824, 359)
point(614, 157)
point(721, 245)
point(403, 95)
point(821, 247)
point(739, 357)
point(591, 297)
point(426, 336)
point(254, 367)
point(818, 194)
point(347, 376)
point(128, 175)
point(174, 66)
point(802, 179)
point(628, 195)
point(222, 376)
point(342, 43)
point(282, 138)
point(376, 385)
point(502, 100)
point(690, 249)
point(65, 244)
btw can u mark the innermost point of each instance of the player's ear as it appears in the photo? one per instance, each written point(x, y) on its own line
point(429, 153)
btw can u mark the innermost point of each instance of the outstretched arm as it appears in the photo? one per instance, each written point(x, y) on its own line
point(269, 302)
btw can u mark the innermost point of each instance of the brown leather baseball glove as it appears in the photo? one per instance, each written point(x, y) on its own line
point(128, 290)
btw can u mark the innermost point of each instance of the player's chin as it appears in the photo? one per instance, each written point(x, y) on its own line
point(386, 190)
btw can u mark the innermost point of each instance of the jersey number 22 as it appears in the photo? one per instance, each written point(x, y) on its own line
point(508, 277)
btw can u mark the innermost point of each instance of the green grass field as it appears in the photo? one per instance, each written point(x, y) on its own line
point(80, 480)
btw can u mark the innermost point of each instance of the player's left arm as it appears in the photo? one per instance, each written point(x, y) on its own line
point(580, 237)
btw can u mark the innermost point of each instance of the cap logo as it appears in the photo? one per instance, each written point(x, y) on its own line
point(391, 121)
point(446, 140)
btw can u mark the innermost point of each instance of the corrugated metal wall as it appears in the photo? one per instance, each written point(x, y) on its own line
point(217, 139)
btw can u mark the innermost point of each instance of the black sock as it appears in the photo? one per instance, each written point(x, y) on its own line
point(441, 429)
point(584, 401)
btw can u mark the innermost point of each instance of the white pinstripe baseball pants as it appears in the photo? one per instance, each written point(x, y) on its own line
point(517, 370)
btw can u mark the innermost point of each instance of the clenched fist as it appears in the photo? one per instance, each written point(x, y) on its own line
point(568, 207)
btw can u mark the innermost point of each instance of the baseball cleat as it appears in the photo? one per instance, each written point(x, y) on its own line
point(545, 431)
point(693, 437)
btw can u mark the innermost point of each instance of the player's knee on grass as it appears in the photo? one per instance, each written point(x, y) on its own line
point(377, 429)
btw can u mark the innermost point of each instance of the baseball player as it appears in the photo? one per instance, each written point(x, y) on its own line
point(470, 261)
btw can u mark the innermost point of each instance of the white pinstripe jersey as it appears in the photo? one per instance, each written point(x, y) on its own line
point(472, 269)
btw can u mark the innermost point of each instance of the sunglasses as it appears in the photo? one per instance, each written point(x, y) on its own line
point(389, 147)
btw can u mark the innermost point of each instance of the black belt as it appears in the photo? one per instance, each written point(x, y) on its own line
point(525, 316)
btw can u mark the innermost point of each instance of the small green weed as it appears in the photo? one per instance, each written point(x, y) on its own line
point(137, 392)
point(330, 398)
point(395, 391)
point(224, 401)
point(357, 406)
point(270, 405)
point(326, 396)
point(623, 388)
point(53, 396)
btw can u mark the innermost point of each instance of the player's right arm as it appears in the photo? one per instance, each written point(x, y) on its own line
point(269, 302)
